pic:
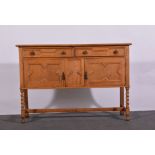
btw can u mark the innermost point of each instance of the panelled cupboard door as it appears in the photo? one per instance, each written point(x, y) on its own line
point(105, 71)
point(74, 72)
point(43, 72)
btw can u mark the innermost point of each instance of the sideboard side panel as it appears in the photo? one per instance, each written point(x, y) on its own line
point(127, 67)
point(21, 67)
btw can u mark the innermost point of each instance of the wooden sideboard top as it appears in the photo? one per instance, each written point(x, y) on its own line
point(72, 45)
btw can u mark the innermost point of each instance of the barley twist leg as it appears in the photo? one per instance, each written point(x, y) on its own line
point(26, 103)
point(23, 105)
point(122, 100)
point(127, 113)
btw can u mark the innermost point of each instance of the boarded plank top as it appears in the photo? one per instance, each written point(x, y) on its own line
point(72, 45)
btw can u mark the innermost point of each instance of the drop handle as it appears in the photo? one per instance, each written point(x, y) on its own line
point(63, 76)
point(63, 53)
point(32, 53)
point(85, 52)
point(115, 52)
point(85, 76)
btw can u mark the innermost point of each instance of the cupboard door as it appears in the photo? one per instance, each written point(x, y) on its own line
point(74, 72)
point(43, 72)
point(105, 71)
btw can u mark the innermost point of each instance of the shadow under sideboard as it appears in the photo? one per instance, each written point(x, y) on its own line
point(73, 98)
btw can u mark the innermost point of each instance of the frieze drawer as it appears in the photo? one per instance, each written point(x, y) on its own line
point(52, 52)
point(99, 51)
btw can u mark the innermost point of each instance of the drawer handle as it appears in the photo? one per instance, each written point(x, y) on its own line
point(115, 52)
point(63, 53)
point(32, 53)
point(85, 52)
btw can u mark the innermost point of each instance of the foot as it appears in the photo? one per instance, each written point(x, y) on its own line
point(121, 112)
point(127, 117)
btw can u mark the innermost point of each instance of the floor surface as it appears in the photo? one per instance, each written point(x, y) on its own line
point(144, 120)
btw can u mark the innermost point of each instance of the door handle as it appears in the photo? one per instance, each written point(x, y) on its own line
point(85, 76)
point(63, 76)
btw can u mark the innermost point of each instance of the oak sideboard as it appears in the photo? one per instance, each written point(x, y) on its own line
point(61, 66)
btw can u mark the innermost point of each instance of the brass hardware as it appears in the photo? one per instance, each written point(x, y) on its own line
point(63, 76)
point(85, 76)
point(115, 52)
point(32, 53)
point(63, 53)
point(85, 52)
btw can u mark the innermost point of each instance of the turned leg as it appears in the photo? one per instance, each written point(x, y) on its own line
point(127, 113)
point(23, 105)
point(26, 103)
point(122, 100)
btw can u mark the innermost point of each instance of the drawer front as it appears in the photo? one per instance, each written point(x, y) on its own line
point(100, 51)
point(49, 52)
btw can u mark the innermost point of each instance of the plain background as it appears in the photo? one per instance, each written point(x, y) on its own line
point(142, 66)
point(97, 12)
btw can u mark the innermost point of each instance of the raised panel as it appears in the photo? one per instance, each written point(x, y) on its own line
point(74, 71)
point(43, 72)
point(105, 71)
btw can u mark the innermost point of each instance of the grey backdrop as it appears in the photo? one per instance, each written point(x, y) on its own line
point(142, 56)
